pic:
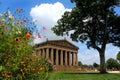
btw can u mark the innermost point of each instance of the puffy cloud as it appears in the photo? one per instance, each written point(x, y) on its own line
point(47, 15)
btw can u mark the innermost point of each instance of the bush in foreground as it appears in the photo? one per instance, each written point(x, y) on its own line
point(18, 62)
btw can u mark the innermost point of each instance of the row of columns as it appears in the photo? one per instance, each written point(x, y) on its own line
point(59, 57)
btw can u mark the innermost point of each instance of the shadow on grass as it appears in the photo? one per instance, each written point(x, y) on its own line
point(84, 73)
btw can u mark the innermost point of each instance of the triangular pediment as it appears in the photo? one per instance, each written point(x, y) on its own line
point(60, 43)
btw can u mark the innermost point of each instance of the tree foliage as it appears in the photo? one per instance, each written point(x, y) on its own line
point(93, 22)
point(95, 65)
point(80, 63)
point(112, 64)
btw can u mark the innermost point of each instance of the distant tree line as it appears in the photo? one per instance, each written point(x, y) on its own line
point(111, 64)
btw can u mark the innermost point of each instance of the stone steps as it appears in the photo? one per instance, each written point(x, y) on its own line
point(67, 68)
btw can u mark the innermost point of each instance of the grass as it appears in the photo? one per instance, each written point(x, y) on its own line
point(83, 76)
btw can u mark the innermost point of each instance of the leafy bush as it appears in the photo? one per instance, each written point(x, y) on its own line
point(18, 62)
point(112, 64)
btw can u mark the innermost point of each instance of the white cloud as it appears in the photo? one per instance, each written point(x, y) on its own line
point(89, 56)
point(47, 15)
point(111, 51)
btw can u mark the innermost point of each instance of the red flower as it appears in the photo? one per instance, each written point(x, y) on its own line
point(17, 9)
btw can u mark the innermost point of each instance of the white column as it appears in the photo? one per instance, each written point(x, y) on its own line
point(43, 53)
point(69, 59)
point(66, 58)
point(61, 58)
point(73, 59)
point(40, 53)
point(47, 53)
point(76, 59)
point(56, 56)
point(52, 59)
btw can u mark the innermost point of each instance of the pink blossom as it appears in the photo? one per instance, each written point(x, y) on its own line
point(30, 22)
point(44, 28)
point(24, 20)
point(39, 36)
point(54, 67)
point(49, 61)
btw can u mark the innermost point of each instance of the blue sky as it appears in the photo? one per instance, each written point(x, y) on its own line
point(28, 4)
point(47, 12)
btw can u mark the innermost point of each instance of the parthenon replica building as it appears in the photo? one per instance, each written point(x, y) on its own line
point(60, 52)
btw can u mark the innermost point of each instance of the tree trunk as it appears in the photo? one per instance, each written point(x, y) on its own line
point(102, 62)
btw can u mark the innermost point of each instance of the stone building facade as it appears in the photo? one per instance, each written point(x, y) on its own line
point(60, 52)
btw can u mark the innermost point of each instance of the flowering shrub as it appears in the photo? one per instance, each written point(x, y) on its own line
point(16, 59)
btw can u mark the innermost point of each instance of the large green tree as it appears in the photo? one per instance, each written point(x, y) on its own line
point(93, 22)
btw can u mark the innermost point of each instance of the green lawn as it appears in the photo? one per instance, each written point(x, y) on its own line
point(83, 76)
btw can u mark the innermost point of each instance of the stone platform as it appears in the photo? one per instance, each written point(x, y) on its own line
point(67, 68)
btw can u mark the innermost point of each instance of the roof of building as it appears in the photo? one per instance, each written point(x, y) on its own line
point(62, 43)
